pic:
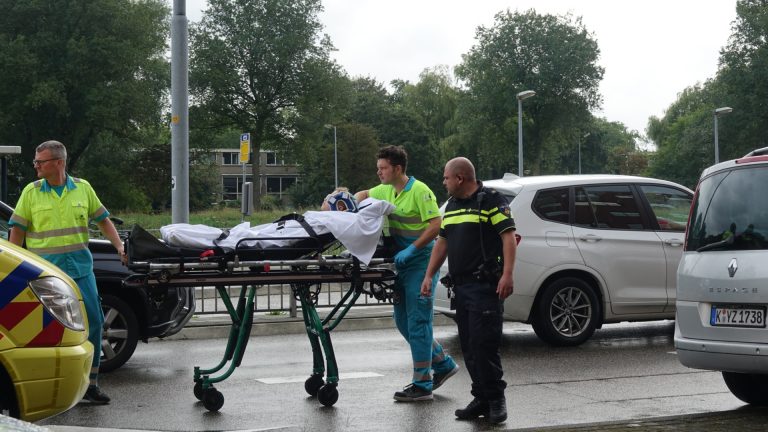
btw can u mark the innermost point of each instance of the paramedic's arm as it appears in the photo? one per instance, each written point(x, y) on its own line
point(439, 253)
point(360, 196)
point(429, 234)
point(110, 232)
point(509, 248)
point(17, 236)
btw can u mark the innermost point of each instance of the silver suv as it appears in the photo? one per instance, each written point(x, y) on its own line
point(592, 249)
point(722, 282)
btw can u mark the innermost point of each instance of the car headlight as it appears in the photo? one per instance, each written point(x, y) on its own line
point(60, 300)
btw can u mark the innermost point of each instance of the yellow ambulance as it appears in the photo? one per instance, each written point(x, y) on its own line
point(45, 356)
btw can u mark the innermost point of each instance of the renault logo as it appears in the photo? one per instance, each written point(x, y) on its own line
point(732, 267)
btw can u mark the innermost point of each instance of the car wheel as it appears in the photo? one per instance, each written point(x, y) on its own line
point(121, 333)
point(8, 405)
point(750, 388)
point(567, 312)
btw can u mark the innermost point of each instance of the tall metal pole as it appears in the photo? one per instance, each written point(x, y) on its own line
point(335, 158)
point(579, 156)
point(179, 114)
point(717, 147)
point(519, 137)
point(520, 96)
point(717, 113)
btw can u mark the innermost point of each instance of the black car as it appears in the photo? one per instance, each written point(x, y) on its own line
point(131, 313)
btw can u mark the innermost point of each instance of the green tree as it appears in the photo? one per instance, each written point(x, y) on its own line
point(357, 162)
point(253, 61)
point(87, 73)
point(434, 98)
point(742, 81)
point(432, 101)
point(356, 146)
point(683, 137)
point(553, 55)
point(395, 123)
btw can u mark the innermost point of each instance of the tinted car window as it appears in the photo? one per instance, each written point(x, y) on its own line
point(552, 204)
point(731, 212)
point(609, 207)
point(670, 206)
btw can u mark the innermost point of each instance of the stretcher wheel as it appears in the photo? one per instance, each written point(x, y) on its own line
point(213, 400)
point(313, 384)
point(328, 394)
point(198, 390)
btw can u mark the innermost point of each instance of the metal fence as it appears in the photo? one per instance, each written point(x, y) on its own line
point(275, 298)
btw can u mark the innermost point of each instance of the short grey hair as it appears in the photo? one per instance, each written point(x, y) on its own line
point(56, 148)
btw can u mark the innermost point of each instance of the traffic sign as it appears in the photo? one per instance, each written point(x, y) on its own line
point(245, 147)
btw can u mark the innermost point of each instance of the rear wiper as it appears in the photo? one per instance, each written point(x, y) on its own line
point(718, 244)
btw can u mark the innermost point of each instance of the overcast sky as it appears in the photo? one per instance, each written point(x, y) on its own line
point(651, 49)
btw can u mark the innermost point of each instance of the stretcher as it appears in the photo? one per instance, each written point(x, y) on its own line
point(304, 264)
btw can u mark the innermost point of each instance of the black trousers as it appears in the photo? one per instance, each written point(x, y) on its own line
point(479, 319)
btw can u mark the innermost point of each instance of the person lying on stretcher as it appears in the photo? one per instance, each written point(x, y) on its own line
point(358, 231)
point(340, 200)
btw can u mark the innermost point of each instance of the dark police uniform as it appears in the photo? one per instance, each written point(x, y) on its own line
point(478, 308)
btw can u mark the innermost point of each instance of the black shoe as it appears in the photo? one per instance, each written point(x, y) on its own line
point(497, 410)
point(95, 396)
point(475, 409)
point(413, 393)
point(440, 378)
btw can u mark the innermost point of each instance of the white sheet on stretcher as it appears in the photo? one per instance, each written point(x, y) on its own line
point(358, 232)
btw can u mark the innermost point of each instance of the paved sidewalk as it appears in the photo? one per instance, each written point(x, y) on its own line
point(748, 419)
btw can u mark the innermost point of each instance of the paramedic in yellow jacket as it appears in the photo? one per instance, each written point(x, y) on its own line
point(52, 216)
point(414, 226)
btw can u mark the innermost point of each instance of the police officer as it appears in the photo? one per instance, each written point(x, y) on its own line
point(477, 236)
point(413, 226)
point(52, 216)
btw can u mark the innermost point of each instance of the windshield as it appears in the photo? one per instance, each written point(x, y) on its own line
point(730, 212)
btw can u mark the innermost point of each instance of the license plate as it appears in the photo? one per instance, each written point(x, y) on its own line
point(737, 316)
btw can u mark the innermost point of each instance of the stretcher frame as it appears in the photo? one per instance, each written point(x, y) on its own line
point(305, 275)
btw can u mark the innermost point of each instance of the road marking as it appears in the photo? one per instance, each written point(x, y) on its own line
point(302, 378)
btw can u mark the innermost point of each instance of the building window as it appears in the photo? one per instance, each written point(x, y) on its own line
point(279, 185)
point(288, 182)
point(230, 158)
point(232, 187)
point(272, 158)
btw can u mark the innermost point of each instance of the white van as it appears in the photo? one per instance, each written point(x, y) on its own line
point(722, 281)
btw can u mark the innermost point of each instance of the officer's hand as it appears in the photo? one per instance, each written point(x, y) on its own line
point(426, 287)
point(404, 255)
point(505, 286)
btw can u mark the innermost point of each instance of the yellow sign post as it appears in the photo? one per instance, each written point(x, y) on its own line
point(245, 148)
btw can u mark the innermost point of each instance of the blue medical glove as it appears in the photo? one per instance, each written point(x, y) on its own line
point(404, 255)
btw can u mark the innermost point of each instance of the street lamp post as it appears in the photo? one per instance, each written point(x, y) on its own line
point(582, 138)
point(520, 96)
point(335, 157)
point(719, 112)
point(579, 156)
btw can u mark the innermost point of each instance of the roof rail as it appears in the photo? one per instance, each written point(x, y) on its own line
point(758, 152)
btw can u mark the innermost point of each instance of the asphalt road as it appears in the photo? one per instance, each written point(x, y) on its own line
point(627, 373)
